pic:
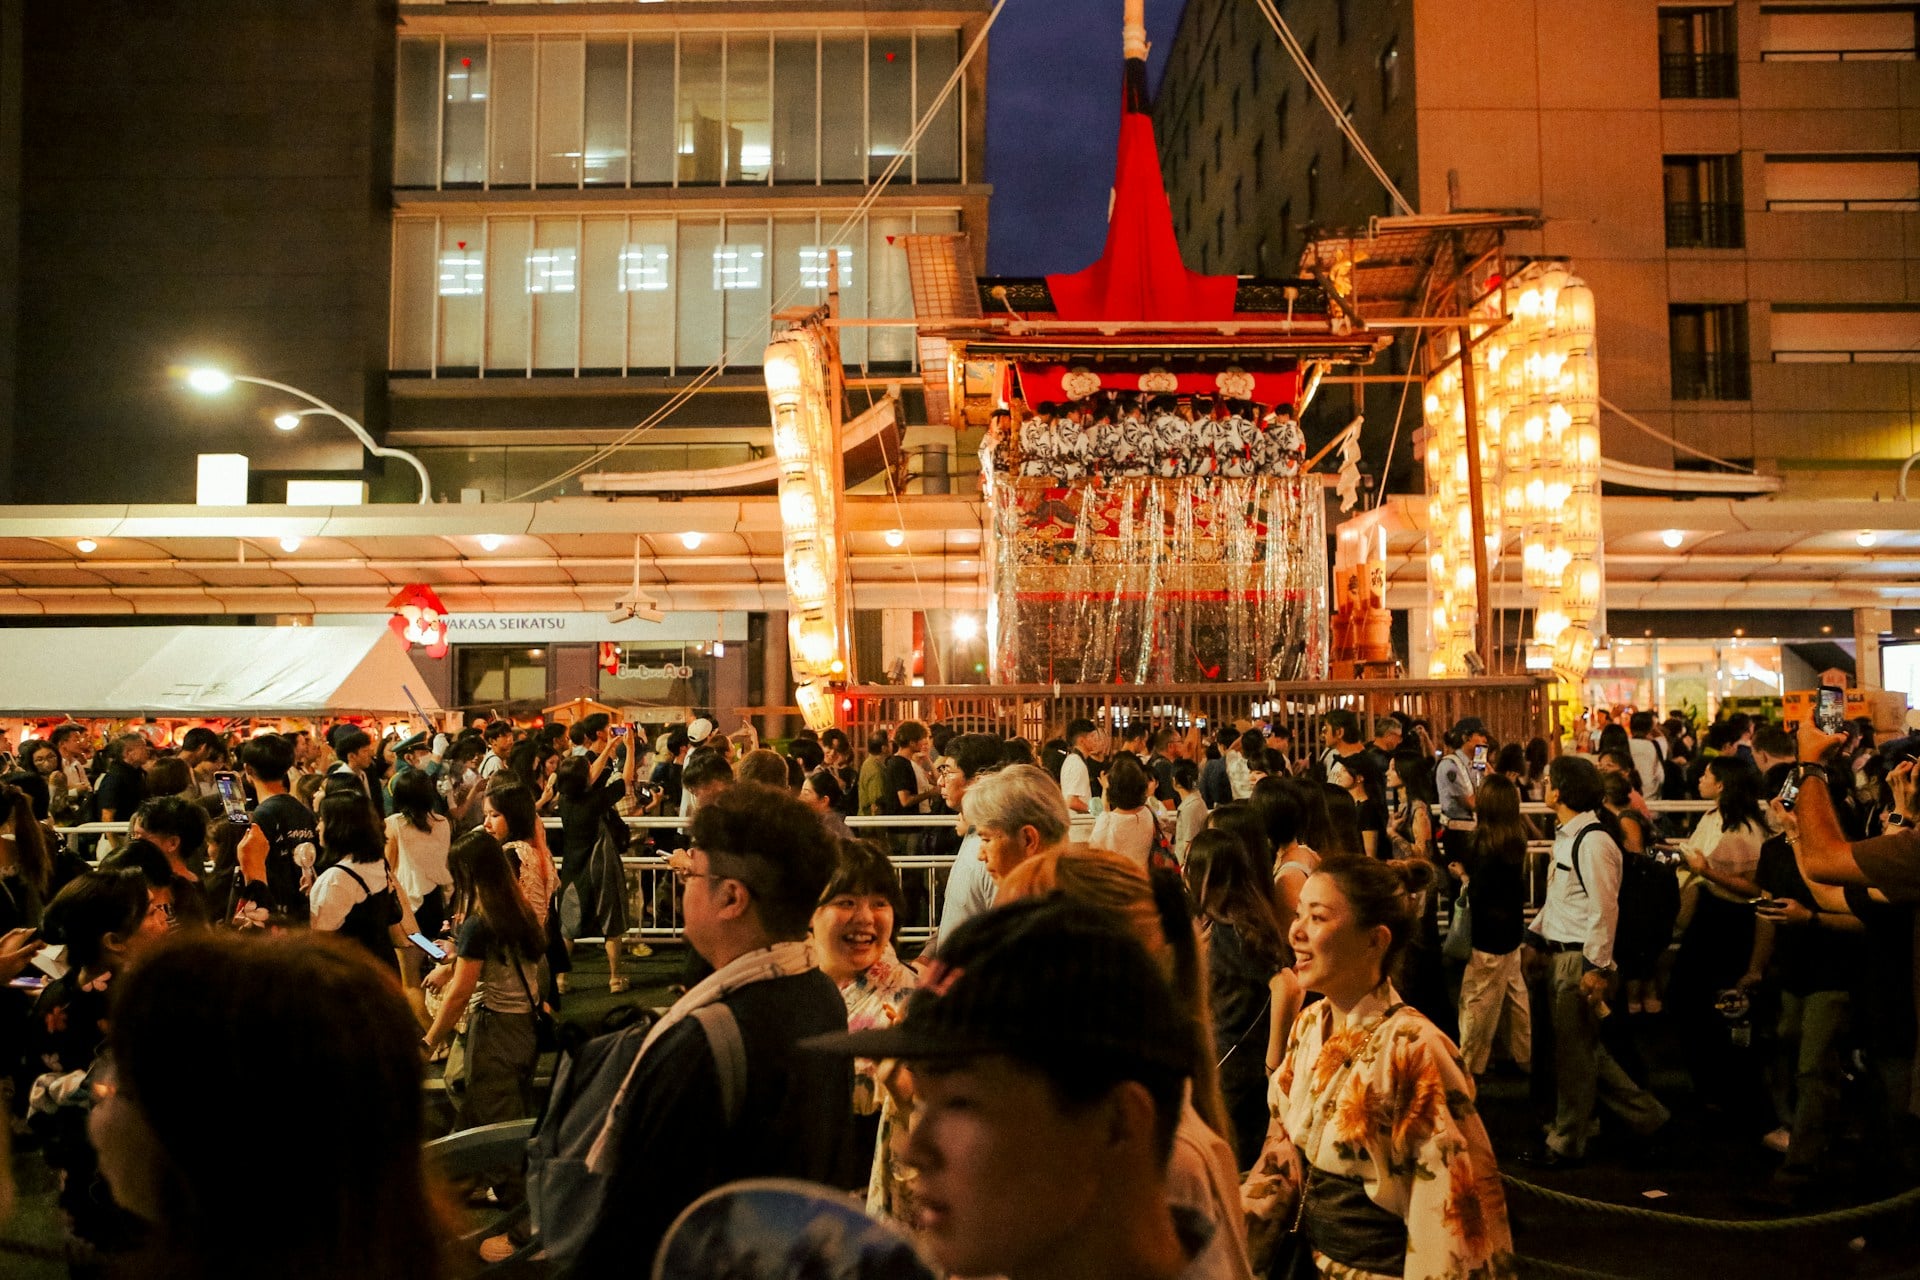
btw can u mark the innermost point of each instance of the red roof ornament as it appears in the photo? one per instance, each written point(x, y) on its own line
point(419, 618)
point(1140, 275)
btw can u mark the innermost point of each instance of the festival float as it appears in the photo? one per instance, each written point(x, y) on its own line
point(1154, 518)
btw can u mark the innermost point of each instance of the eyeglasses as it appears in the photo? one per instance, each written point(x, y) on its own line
point(681, 864)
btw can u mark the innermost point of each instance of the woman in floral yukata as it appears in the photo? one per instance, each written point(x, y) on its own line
point(1375, 1155)
point(853, 944)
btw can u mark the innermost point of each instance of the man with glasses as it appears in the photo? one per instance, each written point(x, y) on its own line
point(757, 863)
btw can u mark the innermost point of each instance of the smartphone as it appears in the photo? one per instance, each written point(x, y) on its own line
point(28, 982)
point(1789, 792)
point(1760, 901)
point(434, 950)
point(1480, 758)
point(1830, 709)
point(233, 798)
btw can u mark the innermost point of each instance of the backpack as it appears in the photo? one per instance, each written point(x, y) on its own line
point(565, 1198)
point(370, 919)
point(1649, 900)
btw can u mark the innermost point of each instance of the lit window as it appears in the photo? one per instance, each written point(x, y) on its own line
point(644, 268)
point(551, 270)
point(739, 266)
point(813, 267)
point(462, 273)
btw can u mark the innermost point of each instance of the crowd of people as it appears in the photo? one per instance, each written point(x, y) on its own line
point(1205, 1003)
point(1114, 435)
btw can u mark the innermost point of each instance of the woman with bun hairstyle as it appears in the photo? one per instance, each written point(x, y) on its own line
point(1375, 1158)
point(1202, 1175)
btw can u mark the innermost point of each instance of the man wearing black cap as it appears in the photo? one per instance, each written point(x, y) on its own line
point(415, 754)
point(1049, 1066)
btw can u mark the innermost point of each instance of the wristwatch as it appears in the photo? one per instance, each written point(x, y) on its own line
point(1809, 770)
point(1897, 820)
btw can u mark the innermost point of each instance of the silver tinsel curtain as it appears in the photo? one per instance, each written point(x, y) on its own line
point(1155, 581)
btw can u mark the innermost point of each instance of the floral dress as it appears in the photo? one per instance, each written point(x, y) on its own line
point(875, 998)
point(1380, 1097)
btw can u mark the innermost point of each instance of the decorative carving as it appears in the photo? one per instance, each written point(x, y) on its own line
point(1081, 383)
point(1235, 383)
point(1157, 381)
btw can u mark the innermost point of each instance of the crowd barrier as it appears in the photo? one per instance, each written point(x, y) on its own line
point(655, 905)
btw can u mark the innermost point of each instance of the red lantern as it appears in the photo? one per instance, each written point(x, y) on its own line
point(419, 619)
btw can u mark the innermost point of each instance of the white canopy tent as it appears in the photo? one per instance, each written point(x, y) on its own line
point(206, 671)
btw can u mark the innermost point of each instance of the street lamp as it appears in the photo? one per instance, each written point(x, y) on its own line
point(212, 382)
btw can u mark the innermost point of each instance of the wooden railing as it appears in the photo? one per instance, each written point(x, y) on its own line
point(1515, 708)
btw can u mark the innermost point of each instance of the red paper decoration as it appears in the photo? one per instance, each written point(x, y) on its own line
point(419, 619)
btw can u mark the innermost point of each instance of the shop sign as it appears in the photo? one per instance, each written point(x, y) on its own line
point(664, 671)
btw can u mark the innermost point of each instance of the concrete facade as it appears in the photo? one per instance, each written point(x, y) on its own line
point(1555, 107)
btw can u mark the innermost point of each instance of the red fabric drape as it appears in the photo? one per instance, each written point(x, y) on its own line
point(1141, 275)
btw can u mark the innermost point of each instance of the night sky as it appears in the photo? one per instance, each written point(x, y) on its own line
point(1053, 122)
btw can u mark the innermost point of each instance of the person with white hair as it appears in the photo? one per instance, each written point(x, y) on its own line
point(1019, 813)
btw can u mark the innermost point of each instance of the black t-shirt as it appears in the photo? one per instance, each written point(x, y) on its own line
point(288, 826)
point(1162, 769)
point(666, 778)
point(1808, 958)
point(899, 775)
point(1497, 898)
point(123, 789)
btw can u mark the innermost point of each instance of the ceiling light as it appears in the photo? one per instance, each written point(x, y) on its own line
point(287, 421)
point(691, 540)
point(1866, 537)
point(1673, 538)
point(965, 627)
point(290, 543)
point(492, 541)
point(719, 648)
point(87, 546)
point(896, 537)
point(209, 381)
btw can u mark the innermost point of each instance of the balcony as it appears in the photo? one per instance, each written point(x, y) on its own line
point(1698, 75)
point(1706, 225)
point(1717, 375)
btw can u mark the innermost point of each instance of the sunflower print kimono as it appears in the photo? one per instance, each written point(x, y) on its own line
point(1380, 1095)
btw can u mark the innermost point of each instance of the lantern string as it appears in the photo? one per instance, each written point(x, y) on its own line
point(1658, 434)
point(727, 355)
point(1320, 91)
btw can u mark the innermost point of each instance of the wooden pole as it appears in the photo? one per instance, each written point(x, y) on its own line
point(1476, 482)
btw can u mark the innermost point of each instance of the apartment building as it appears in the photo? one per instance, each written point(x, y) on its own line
point(1738, 181)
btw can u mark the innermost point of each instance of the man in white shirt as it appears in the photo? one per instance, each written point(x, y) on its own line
point(970, 889)
point(1575, 932)
point(1076, 780)
point(499, 736)
point(1649, 752)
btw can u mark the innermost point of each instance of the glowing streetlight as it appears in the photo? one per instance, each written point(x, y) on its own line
point(212, 382)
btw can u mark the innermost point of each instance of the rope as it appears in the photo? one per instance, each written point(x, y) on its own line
point(1734, 1226)
point(1320, 91)
point(1658, 434)
point(860, 211)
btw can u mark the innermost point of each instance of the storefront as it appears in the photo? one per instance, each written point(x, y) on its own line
point(522, 662)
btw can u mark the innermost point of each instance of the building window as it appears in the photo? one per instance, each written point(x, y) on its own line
point(1703, 202)
point(622, 295)
point(495, 675)
point(1239, 211)
point(1313, 189)
point(1697, 53)
point(1216, 64)
point(1708, 346)
point(1203, 186)
point(1390, 74)
point(1233, 111)
point(1218, 162)
point(1280, 117)
point(1838, 33)
point(1812, 334)
point(1342, 19)
point(1346, 146)
point(1220, 234)
point(516, 111)
point(1843, 183)
point(1286, 228)
point(1259, 164)
point(1255, 50)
